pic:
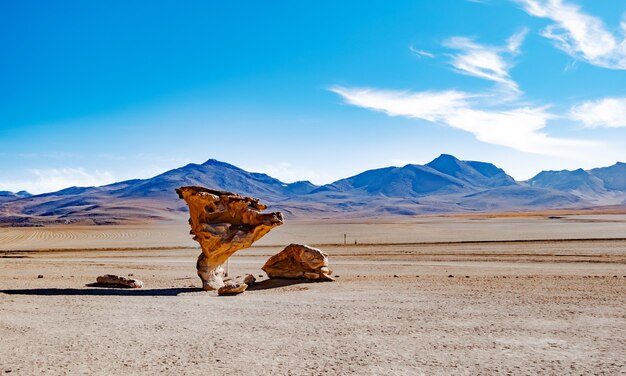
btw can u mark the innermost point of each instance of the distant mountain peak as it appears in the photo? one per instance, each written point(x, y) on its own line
point(446, 163)
point(215, 162)
point(474, 173)
point(19, 194)
point(444, 158)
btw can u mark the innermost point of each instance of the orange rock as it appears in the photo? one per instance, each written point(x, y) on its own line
point(232, 288)
point(223, 223)
point(299, 261)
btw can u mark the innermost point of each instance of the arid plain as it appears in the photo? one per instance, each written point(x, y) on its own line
point(510, 294)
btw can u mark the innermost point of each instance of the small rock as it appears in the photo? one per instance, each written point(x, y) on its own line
point(336, 276)
point(450, 276)
point(232, 288)
point(110, 280)
point(249, 280)
point(395, 276)
point(467, 276)
point(130, 274)
point(40, 276)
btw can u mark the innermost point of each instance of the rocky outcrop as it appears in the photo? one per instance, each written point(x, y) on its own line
point(223, 223)
point(299, 261)
point(110, 280)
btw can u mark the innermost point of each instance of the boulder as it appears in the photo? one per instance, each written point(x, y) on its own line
point(223, 223)
point(299, 261)
point(110, 280)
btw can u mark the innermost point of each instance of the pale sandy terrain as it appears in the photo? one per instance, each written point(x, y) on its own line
point(422, 229)
point(532, 307)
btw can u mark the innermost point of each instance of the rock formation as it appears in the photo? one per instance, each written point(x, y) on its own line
point(110, 280)
point(223, 223)
point(299, 261)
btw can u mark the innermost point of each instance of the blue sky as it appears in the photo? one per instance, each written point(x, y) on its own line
point(97, 92)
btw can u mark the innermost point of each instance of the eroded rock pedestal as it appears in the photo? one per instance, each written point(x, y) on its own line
point(299, 261)
point(223, 223)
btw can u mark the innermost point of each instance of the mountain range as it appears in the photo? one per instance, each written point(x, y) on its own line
point(445, 185)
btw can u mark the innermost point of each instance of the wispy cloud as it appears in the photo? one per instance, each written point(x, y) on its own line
point(428, 105)
point(605, 112)
point(50, 180)
point(487, 62)
point(421, 53)
point(520, 128)
point(579, 34)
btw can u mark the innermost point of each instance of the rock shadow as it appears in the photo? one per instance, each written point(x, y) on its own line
point(274, 283)
point(174, 291)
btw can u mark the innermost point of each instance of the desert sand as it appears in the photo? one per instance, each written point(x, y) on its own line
point(430, 295)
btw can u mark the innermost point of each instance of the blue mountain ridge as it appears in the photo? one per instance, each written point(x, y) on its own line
point(444, 185)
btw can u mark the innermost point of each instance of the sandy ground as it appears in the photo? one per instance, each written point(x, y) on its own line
point(418, 302)
point(413, 230)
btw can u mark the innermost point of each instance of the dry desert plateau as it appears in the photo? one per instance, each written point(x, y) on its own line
point(452, 295)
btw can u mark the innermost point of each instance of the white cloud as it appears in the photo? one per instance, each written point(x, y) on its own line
point(51, 180)
point(518, 128)
point(431, 106)
point(514, 43)
point(421, 53)
point(487, 62)
point(580, 35)
point(605, 112)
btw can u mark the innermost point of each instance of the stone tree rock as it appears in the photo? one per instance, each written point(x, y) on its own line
point(223, 223)
point(299, 261)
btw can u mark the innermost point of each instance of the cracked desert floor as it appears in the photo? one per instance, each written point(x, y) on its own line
point(534, 294)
